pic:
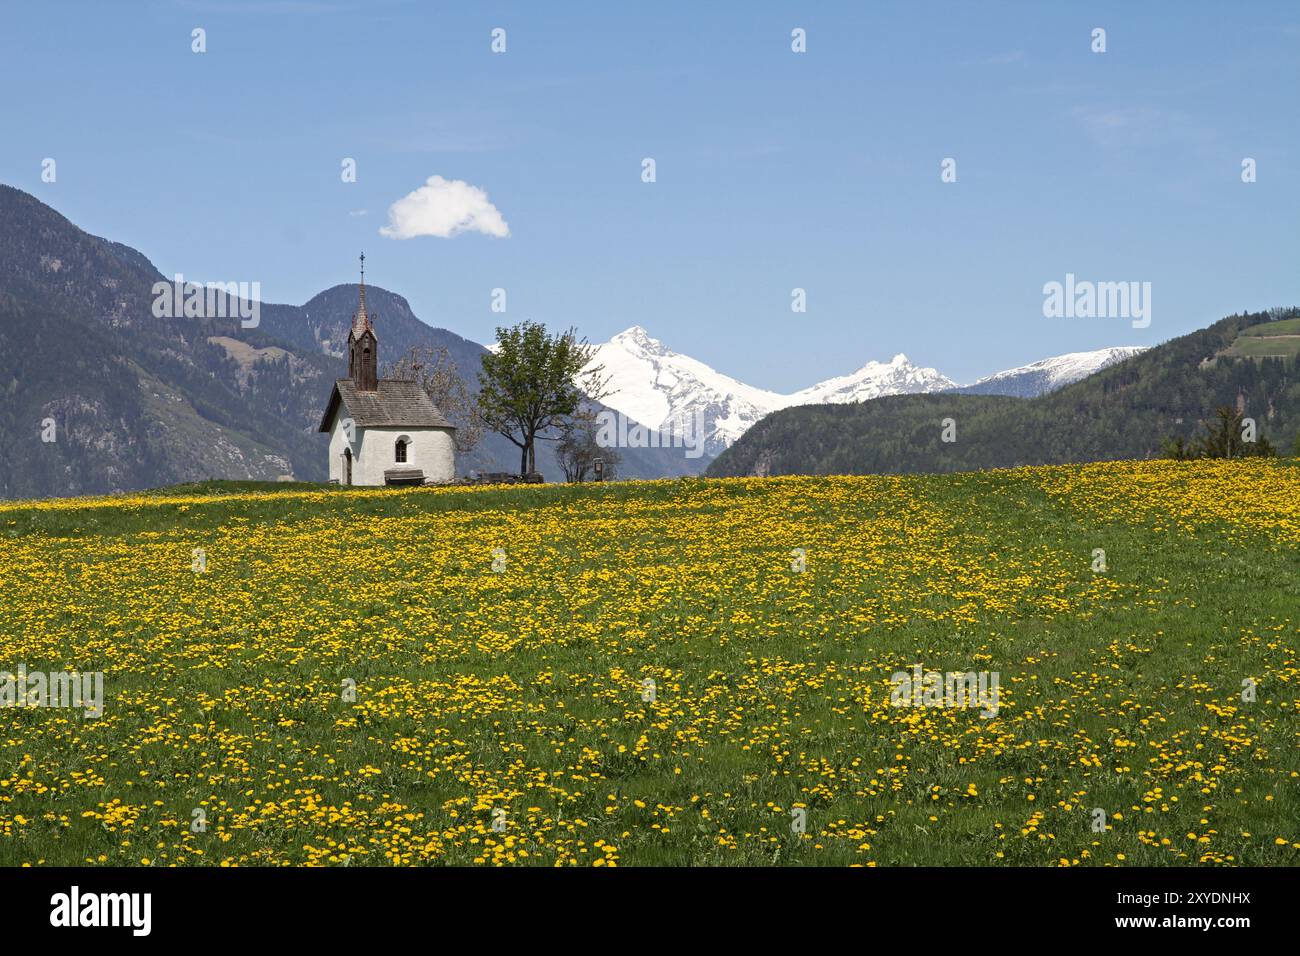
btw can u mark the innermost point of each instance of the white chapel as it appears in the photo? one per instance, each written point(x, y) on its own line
point(383, 431)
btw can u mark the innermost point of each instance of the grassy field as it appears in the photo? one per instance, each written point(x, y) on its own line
point(501, 710)
point(1268, 329)
point(1268, 340)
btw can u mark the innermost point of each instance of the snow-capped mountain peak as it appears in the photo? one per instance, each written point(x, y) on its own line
point(898, 376)
point(669, 392)
point(1049, 374)
point(676, 394)
point(637, 337)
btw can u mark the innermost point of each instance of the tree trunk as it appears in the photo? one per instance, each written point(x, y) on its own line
point(523, 460)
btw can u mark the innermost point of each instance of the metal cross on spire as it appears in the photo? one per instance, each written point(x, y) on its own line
point(363, 285)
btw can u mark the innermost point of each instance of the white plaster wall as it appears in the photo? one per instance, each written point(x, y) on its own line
point(338, 442)
point(432, 450)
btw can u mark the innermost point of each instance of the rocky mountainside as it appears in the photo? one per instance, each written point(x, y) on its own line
point(104, 396)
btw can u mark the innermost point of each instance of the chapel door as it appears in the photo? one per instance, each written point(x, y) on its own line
point(347, 466)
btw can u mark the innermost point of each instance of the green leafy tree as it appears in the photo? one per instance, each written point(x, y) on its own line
point(1223, 437)
point(1179, 448)
point(532, 383)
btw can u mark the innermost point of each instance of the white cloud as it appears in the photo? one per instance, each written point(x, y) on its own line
point(444, 208)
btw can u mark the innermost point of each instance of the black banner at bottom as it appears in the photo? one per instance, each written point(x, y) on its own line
point(342, 905)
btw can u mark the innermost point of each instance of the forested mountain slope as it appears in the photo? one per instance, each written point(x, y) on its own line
point(1126, 410)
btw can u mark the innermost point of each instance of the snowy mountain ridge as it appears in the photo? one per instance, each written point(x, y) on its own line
point(1049, 374)
point(677, 394)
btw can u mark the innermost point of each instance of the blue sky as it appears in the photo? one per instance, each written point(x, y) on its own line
point(775, 170)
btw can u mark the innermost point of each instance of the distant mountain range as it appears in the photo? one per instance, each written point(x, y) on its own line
point(1129, 408)
point(675, 393)
point(139, 401)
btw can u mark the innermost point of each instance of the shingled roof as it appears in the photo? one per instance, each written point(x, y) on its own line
point(395, 404)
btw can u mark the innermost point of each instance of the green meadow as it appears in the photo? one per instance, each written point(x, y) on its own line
point(696, 672)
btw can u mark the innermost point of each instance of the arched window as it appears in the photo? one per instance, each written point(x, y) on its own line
point(399, 450)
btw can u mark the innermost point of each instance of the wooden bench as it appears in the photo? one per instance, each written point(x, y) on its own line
point(404, 476)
